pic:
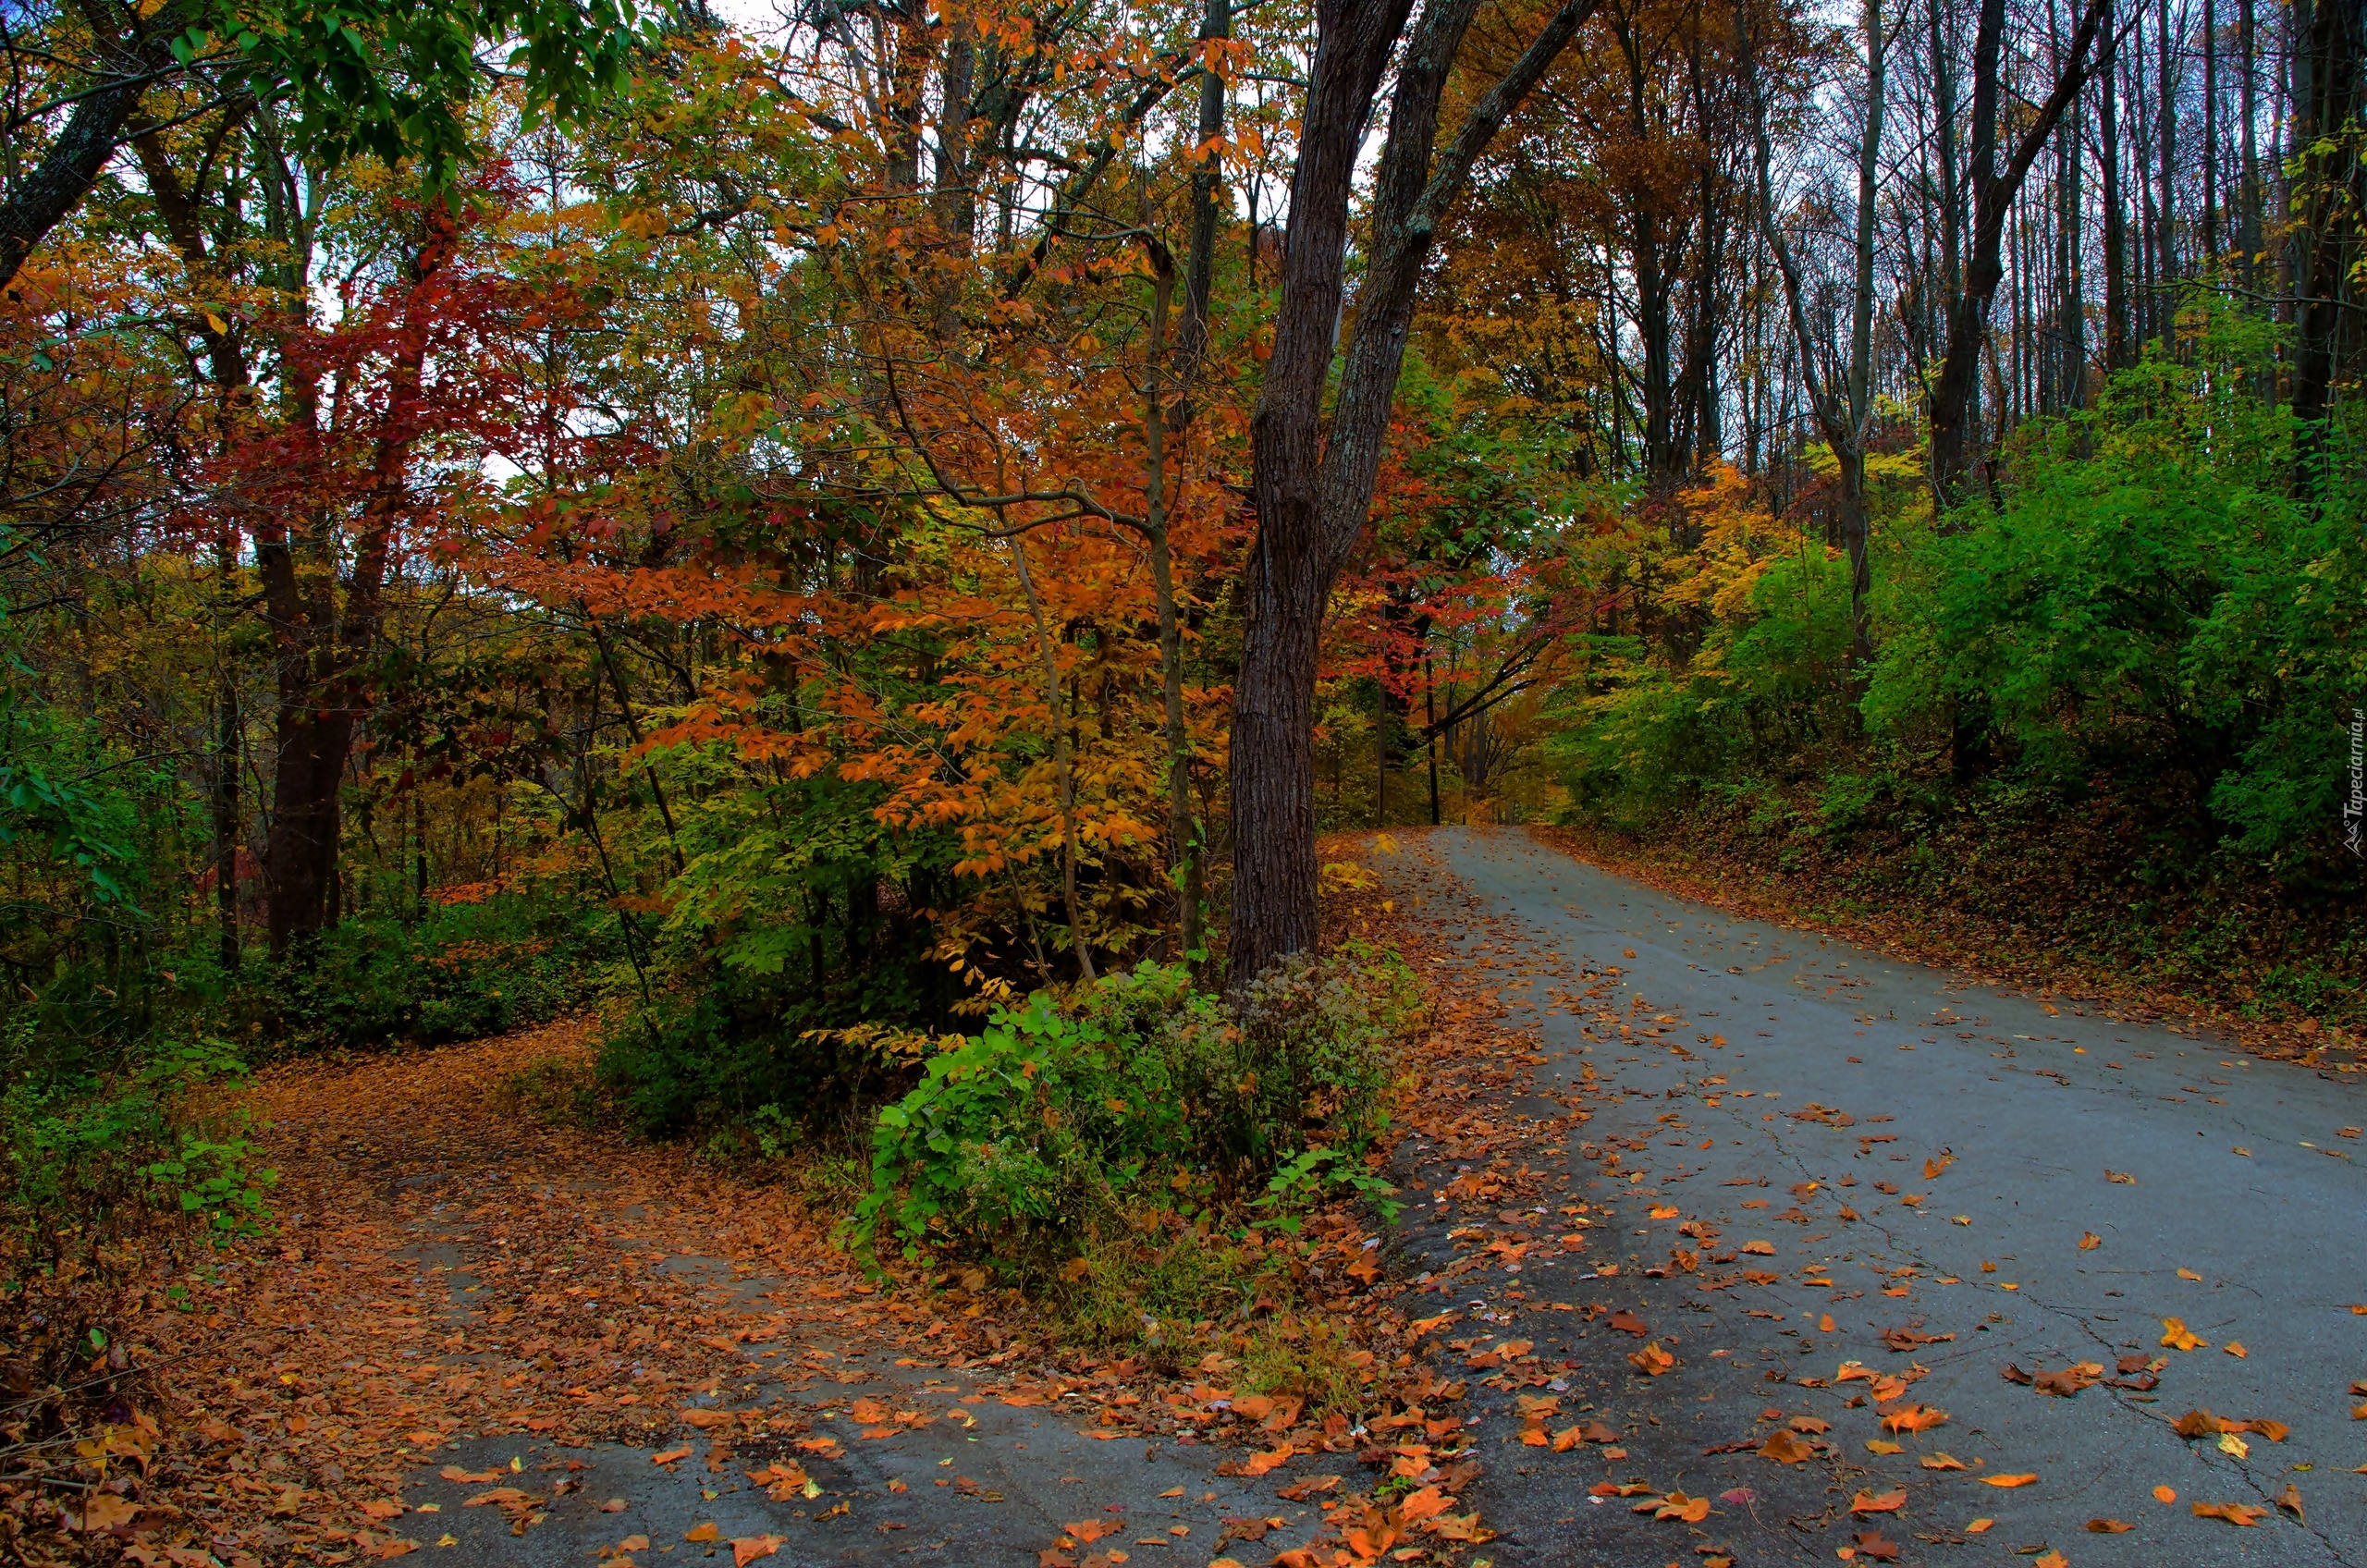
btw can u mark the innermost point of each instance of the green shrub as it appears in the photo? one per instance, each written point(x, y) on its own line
point(89, 1157)
point(462, 971)
point(1021, 1141)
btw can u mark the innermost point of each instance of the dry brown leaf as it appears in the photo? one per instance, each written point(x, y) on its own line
point(2234, 1513)
point(1871, 1502)
point(1942, 1462)
point(2007, 1480)
point(2108, 1527)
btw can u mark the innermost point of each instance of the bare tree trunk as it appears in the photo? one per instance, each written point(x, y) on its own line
point(1200, 271)
point(1312, 493)
point(2247, 200)
point(1843, 414)
point(2116, 219)
point(226, 752)
point(2071, 347)
point(2331, 188)
point(2166, 139)
point(2209, 134)
point(1060, 767)
point(1429, 722)
point(91, 134)
point(1183, 833)
point(1994, 194)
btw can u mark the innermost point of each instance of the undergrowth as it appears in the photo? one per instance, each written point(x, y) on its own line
point(1155, 1171)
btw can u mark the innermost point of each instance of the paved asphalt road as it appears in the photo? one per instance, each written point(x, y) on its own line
point(1962, 1143)
point(1843, 1073)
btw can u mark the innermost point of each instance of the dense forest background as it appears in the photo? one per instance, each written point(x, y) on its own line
point(739, 522)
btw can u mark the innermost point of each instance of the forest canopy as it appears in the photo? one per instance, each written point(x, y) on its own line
point(797, 526)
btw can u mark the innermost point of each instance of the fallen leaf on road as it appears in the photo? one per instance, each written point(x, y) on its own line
point(2052, 1560)
point(2189, 1274)
point(1677, 1506)
point(2245, 1152)
point(1651, 1361)
point(1878, 1445)
point(1871, 1545)
point(1914, 1418)
point(2066, 1381)
point(2166, 1494)
point(1785, 1447)
point(1870, 1502)
point(1979, 1526)
point(2123, 1177)
point(2089, 1241)
point(707, 1532)
point(1942, 1462)
point(747, 1548)
point(2108, 1527)
point(1628, 1323)
point(1664, 1211)
point(2007, 1480)
point(670, 1455)
point(2290, 1500)
point(2234, 1513)
point(2231, 1444)
point(2236, 1348)
point(2177, 1336)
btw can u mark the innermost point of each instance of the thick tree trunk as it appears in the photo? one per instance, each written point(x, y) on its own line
point(71, 168)
point(1312, 493)
point(321, 647)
